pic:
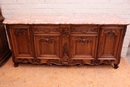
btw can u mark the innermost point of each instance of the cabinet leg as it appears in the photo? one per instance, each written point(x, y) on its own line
point(16, 64)
point(116, 66)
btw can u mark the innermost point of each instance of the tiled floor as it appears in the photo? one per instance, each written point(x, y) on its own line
point(56, 76)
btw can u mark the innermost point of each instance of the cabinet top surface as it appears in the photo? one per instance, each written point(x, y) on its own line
point(66, 19)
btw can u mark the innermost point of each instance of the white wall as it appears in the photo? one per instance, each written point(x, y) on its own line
point(118, 7)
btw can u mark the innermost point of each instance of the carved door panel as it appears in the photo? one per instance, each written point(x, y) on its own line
point(83, 47)
point(109, 42)
point(47, 46)
point(21, 41)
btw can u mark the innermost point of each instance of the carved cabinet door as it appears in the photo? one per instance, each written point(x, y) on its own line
point(47, 46)
point(21, 42)
point(83, 47)
point(110, 42)
point(84, 40)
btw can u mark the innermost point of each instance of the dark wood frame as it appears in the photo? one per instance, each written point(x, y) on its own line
point(5, 52)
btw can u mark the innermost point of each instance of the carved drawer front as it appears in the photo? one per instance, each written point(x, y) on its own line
point(47, 46)
point(46, 29)
point(82, 29)
point(83, 47)
point(22, 45)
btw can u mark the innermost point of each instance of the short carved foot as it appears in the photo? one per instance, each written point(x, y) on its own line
point(16, 64)
point(115, 66)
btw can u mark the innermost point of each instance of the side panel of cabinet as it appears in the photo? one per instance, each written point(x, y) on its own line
point(47, 46)
point(110, 42)
point(21, 41)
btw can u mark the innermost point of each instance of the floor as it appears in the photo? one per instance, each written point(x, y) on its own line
point(27, 75)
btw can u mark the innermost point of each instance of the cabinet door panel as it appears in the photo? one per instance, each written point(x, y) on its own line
point(109, 42)
point(47, 46)
point(21, 41)
point(83, 47)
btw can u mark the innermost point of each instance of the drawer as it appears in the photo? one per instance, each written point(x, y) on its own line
point(84, 29)
point(46, 29)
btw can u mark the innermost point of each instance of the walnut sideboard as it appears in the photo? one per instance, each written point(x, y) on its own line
point(66, 40)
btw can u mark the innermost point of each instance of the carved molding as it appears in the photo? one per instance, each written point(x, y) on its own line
point(84, 31)
point(23, 60)
point(33, 61)
point(66, 62)
point(36, 61)
point(20, 31)
point(110, 32)
point(53, 61)
point(47, 39)
point(77, 62)
point(84, 39)
point(56, 30)
point(69, 63)
point(46, 30)
point(105, 61)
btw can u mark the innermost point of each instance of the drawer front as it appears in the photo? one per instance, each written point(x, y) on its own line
point(84, 29)
point(46, 29)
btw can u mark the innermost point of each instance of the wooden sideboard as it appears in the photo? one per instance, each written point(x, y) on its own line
point(5, 52)
point(66, 44)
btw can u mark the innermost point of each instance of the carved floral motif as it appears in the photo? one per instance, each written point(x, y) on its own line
point(56, 30)
point(84, 39)
point(33, 61)
point(110, 32)
point(47, 39)
point(65, 32)
point(20, 31)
